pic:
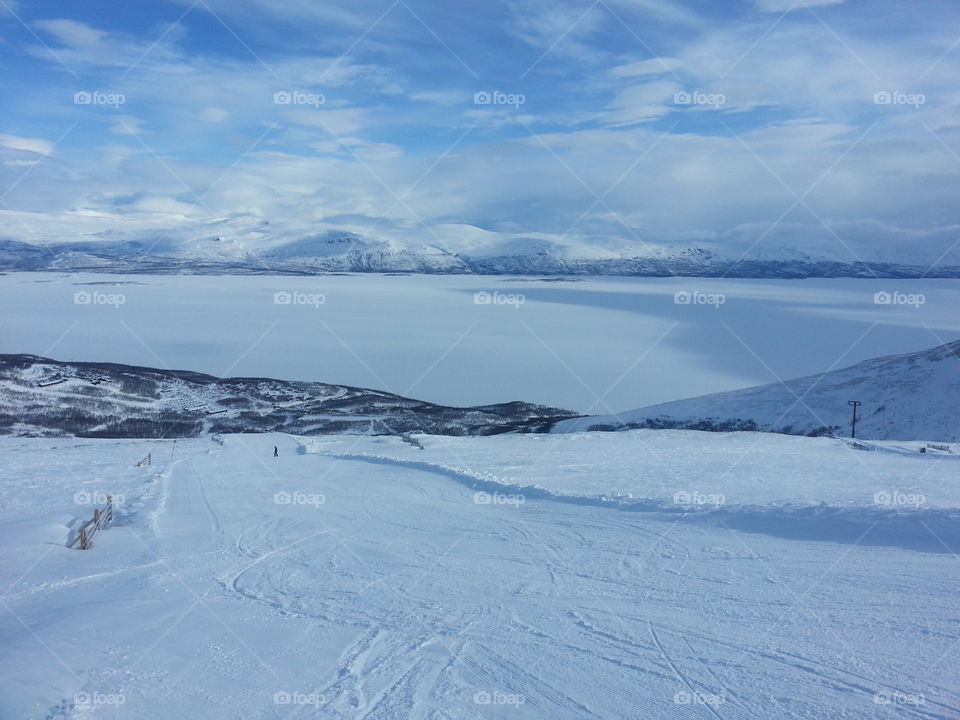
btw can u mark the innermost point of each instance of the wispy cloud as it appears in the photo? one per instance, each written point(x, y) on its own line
point(32, 145)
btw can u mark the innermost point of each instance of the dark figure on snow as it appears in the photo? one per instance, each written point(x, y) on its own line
point(275, 453)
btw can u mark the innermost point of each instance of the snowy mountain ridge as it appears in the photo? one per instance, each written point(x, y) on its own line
point(914, 396)
point(905, 397)
point(246, 244)
point(43, 397)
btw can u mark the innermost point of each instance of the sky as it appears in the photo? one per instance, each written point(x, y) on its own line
point(611, 121)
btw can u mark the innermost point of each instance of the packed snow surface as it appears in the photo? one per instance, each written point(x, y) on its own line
point(357, 577)
point(746, 467)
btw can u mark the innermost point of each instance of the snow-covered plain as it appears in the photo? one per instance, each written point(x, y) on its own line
point(597, 345)
point(357, 577)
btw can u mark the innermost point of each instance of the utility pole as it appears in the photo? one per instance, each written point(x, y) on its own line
point(853, 421)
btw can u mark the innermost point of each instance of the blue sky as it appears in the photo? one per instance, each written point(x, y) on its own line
point(616, 121)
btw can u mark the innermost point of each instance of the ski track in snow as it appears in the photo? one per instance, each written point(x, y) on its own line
point(399, 596)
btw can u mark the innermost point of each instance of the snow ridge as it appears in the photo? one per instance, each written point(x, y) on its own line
point(924, 529)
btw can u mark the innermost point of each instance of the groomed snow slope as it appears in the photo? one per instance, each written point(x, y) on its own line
point(342, 580)
point(907, 397)
point(750, 470)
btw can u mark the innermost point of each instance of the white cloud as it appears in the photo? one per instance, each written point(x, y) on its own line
point(786, 5)
point(34, 145)
point(653, 66)
point(127, 125)
point(442, 97)
point(78, 45)
point(336, 121)
point(664, 10)
point(555, 27)
point(640, 102)
point(295, 12)
point(214, 115)
point(72, 33)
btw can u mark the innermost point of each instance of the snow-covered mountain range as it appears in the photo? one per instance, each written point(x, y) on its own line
point(905, 397)
point(42, 397)
point(247, 244)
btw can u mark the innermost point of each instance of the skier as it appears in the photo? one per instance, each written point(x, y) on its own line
point(275, 453)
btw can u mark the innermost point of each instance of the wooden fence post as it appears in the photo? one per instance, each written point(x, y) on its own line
point(101, 518)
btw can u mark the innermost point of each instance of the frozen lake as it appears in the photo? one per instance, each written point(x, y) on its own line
point(592, 345)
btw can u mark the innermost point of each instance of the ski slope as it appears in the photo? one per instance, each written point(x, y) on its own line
point(908, 397)
point(747, 468)
point(357, 577)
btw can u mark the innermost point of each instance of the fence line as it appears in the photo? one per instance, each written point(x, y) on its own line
point(408, 438)
point(937, 446)
point(101, 518)
point(148, 460)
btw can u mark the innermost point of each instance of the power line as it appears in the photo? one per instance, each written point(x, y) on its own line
point(853, 420)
